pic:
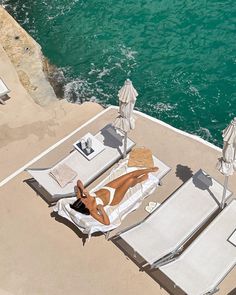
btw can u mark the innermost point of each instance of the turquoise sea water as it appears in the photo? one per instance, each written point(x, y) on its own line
point(180, 55)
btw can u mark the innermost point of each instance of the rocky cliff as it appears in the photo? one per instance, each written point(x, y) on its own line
point(26, 55)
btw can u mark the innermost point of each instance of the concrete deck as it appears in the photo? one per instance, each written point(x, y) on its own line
point(39, 255)
point(27, 129)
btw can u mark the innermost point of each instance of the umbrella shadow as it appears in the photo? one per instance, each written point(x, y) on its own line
point(204, 181)
point(112, 138)
point(184, 173)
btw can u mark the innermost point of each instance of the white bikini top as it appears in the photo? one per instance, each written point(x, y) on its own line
point(99, 201)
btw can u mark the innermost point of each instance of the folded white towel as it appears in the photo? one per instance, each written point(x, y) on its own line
point(63, 174)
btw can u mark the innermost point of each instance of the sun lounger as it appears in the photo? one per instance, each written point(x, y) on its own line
point(208, 260)
point(86, 170)
point(162, 234)
point(3, 91)
point(131, 201)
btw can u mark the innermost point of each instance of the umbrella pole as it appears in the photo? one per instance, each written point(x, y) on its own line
point(224, 192)
point(125, 145)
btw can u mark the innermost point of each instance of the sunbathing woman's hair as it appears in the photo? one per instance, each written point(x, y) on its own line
point(79, 206)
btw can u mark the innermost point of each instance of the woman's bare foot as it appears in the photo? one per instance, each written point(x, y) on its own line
point(154, 169)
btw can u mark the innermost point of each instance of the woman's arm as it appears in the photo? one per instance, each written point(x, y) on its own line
point(80, 185)
point(101, 216)
point(80, 189)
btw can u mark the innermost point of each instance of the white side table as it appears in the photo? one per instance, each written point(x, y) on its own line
point(97, 146)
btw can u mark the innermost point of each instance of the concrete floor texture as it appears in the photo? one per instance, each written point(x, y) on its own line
point(42, 254)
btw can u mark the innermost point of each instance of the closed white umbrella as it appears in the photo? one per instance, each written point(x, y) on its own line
point(125, 121)
point(227, 164)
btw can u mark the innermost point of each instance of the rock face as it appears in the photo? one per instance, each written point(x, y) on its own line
point(25, 54)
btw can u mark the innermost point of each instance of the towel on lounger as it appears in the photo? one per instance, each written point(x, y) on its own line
point(131, 201)
point(141, 157)
point(63, 174)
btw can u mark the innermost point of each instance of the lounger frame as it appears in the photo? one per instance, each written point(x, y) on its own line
point(216, 288)
point(144, 190)
point(94, 165)
point(179, 247)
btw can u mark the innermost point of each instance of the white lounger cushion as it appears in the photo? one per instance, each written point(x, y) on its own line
point(175, 220)
point(208, 259)
point(131, 201)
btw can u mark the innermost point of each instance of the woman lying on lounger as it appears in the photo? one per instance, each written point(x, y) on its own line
point(111, 194)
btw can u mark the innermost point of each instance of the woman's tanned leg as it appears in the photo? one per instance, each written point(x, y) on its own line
point(121, 190)
point(120, 181)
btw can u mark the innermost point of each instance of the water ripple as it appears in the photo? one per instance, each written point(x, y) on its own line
point(179, 54)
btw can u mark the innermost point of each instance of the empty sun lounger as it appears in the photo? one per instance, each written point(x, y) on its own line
point(162, 234)
point(207, 261)
point(86, 170)
point(3, 91)
point(131, 201)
